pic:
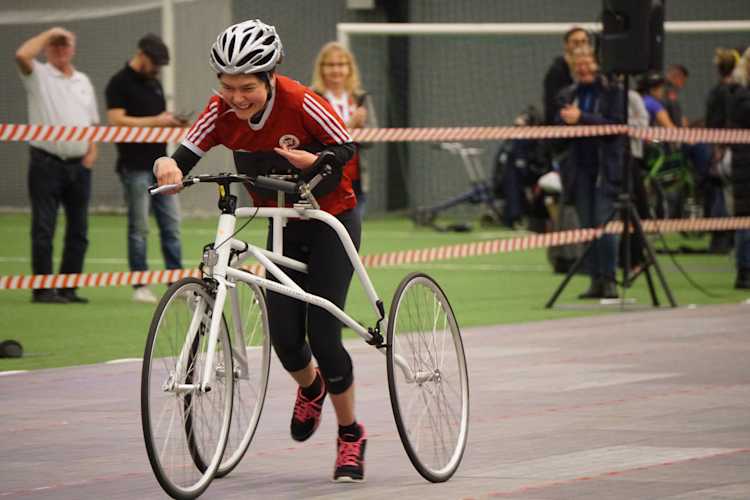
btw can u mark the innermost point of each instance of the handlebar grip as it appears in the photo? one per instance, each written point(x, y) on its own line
point(323, 159)
point(275, 184)
point(154, 190)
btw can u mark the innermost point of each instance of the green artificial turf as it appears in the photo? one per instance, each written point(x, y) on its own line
point(494, 289)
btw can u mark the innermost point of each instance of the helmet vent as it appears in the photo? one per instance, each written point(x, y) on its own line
point(243, 43)
point(231, 47)
point(217, 58)
point(265, 59)
point(248, 57)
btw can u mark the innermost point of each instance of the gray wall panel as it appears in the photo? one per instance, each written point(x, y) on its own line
point(452, 80)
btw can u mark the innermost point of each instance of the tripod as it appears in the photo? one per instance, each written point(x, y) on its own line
point(625, 207)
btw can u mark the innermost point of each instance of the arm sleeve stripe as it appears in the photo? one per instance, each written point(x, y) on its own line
point(323, 125)
point(201, 124)
point(321, 115)
point(204, 134)
point(203, 121)
point(328, 117)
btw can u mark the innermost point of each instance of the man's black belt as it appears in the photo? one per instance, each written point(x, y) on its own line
point(76, 159)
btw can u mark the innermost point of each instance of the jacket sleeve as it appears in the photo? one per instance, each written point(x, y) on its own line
point(323, 123)
point(612, 110)
point(201, 136)
point(553, 83)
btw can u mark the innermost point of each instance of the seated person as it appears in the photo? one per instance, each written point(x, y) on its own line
point(518, 165)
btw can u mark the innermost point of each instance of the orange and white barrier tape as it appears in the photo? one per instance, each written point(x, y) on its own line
point(461, 250)
point(64, 133)
point(10, 132)
point(125, 278)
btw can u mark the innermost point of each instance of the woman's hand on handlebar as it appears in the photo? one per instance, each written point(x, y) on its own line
point(167, 172)
point(297, 157)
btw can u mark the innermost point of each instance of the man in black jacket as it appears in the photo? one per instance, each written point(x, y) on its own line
point(135, 98)
point(593, 171)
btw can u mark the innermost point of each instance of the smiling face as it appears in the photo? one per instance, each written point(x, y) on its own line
point(335, 69)
point(246, 94)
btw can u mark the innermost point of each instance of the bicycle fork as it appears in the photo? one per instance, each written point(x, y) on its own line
point(216, 260)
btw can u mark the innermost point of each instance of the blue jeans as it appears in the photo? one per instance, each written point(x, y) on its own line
point(593, 207)
point(742, 248)
point(166, 209)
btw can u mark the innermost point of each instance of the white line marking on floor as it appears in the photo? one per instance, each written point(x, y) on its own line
point(12, 372)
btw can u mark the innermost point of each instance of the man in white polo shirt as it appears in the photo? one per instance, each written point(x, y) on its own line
point(59, 172)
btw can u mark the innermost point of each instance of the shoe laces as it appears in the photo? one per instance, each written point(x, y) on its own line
point(305, 409)
point(349, 453)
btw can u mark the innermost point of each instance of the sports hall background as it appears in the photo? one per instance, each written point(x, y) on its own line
point(414, 81)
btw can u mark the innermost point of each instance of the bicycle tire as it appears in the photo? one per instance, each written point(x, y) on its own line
point(250, 383)
point(419, 319)
point(657, 200)
point(197, 444)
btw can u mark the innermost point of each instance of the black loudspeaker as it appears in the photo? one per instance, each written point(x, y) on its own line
point(632, 39)
point(656, 36)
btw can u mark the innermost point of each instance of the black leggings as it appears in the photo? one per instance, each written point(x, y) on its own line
point(292, 322)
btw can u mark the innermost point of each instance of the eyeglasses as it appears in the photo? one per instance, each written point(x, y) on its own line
point(335, 65)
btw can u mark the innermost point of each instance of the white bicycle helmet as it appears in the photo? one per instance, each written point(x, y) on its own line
point(246, 47)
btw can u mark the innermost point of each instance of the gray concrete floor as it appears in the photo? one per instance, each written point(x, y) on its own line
point(636, 405)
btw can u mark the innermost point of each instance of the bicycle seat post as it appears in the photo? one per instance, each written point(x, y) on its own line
point(279, 222)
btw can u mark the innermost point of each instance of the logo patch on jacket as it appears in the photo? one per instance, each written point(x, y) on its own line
point(289, 141)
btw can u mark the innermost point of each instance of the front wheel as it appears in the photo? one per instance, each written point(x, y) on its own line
point(185, 427)
point(428, 379)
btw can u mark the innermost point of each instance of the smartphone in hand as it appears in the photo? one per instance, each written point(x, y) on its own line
point(184, 116)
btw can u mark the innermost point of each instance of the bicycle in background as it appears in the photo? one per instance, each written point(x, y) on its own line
point(481, 192)
point(670, 182)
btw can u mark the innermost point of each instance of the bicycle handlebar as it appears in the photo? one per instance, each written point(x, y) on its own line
point(309, 175)
point(264, 182)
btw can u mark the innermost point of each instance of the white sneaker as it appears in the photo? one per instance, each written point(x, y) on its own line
point(144, 295)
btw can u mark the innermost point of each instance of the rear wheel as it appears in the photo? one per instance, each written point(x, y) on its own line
point(251, 343)
point(427, 377)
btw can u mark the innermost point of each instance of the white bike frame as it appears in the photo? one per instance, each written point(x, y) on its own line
point(226, 275)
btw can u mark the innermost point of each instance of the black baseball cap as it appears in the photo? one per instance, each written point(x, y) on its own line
point(155, 48)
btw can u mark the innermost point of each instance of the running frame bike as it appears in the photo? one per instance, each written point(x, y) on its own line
point(206, 361)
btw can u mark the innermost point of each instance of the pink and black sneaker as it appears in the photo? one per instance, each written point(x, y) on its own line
point(306, 417)
point(350, 462)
